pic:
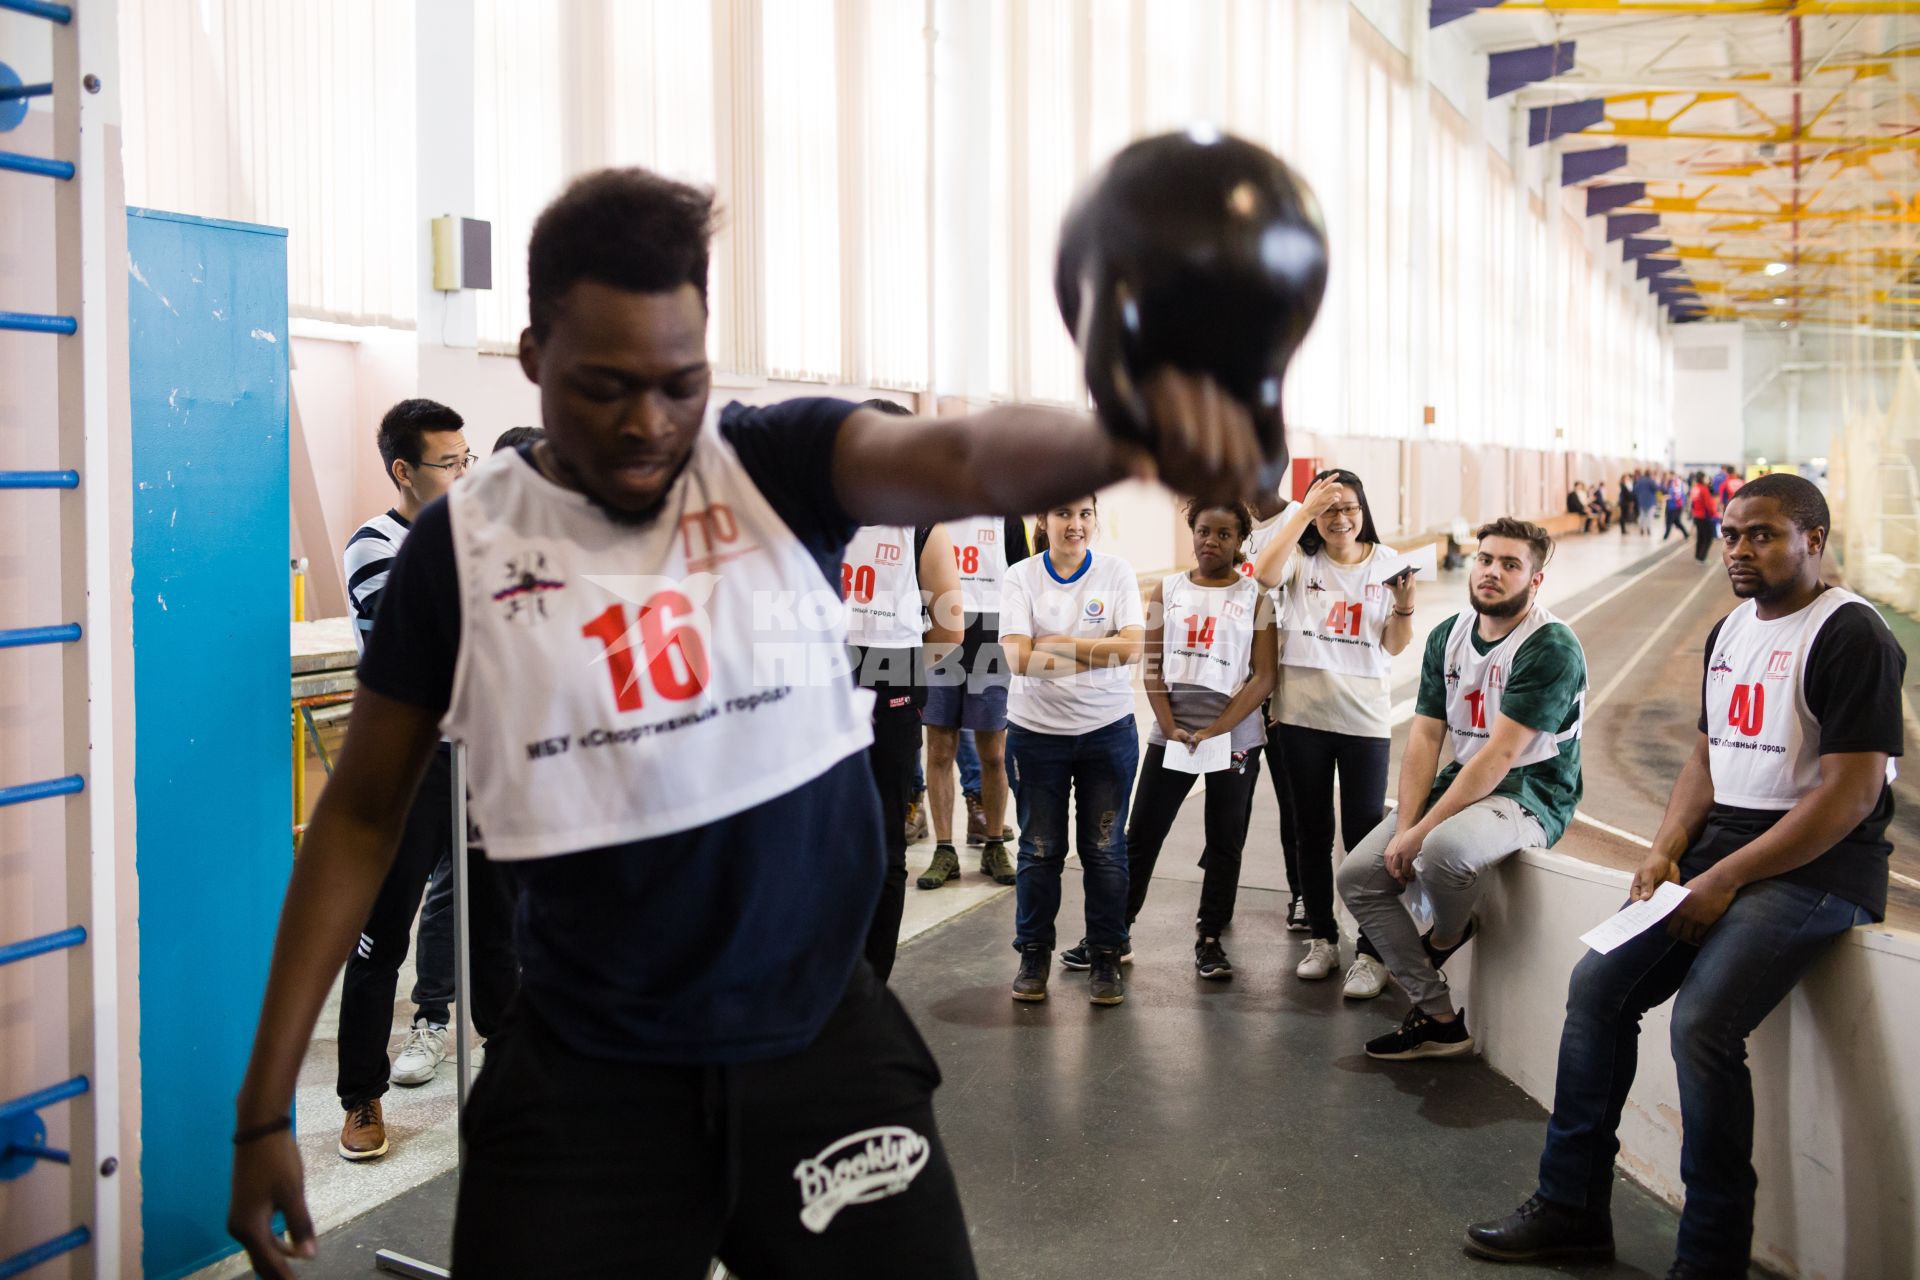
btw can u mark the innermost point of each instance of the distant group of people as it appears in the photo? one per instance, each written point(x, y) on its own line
point(1698, 497)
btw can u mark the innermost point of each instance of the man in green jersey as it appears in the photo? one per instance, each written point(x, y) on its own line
point(1505, 683)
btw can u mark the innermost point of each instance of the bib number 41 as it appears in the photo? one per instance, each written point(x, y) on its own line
point(674, 656)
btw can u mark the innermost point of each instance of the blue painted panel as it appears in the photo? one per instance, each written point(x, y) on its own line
point(207, 322)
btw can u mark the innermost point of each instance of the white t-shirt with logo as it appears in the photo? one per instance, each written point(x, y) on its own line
point(1101, 599)
point(1336, 676)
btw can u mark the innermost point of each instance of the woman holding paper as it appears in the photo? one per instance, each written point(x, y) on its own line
point(1350, 606)
point(1211, 658)
point(1071, 625)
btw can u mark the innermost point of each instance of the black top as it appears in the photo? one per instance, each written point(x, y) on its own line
point(1854, 672)
point(730, 942)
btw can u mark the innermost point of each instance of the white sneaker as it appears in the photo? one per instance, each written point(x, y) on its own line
point(1323, 958)
point(1366, 979)
point(424, 1049)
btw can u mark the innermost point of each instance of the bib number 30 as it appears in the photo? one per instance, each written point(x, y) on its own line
point(674, 656)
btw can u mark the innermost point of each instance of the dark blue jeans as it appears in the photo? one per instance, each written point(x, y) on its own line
point(1097, 769)
point(1751, 959)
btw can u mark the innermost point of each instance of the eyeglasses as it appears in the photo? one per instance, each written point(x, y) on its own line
point(1349, 511)
point(459, 467)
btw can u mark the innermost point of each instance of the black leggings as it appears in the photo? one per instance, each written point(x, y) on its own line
point(1313, 757)
point(1156, 803)
point(1702, 537)
point(1283, 797)
point(1673, 525)
point(893, 757)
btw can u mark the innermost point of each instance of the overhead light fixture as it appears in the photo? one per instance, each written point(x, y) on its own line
point(1779, 302)
point(1776, 268)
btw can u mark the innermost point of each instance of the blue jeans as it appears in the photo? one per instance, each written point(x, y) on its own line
point(968, 757)
point(1097, 768)
point(1751, 959)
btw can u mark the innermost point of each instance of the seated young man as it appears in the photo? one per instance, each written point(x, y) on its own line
point(1777, 829)
point(1505, 682)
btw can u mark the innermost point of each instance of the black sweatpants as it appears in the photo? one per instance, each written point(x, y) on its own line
point(495, 967)
point(1673, 525)
point(373, 970)
point(894, 755)
point(1276, 754)
point(1156, 803)
point(1314, 756)
point(1703, 531)
point(825, 1163)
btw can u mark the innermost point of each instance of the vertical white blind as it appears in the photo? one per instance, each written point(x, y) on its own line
point(518, 161)
point(801, 197)
point(294, 115)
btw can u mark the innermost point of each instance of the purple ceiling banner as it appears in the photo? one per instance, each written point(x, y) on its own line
point(1444, 11)
point(1655, 267)
point(1517, 68)
point(1636, 247)
point(1607, 199)
point(1578, 166)
point(1621, 225)
point(1544, 124)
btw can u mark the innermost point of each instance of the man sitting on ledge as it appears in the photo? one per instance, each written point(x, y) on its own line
point(1776, 827)
point(1506, 681)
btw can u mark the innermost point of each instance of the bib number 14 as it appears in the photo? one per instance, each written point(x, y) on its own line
point(673, 655)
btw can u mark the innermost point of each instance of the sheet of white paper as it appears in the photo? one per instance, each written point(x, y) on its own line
point(1634, 919)
point(1426, 565)
point(1214, 755)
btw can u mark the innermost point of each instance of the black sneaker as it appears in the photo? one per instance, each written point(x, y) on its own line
point(1297, 916)
point(1210, 958)
point(1539, 1230)
point(944, 867)
point(1684, 1270)
point(1031, 982)
point(1420, 1036)
point(1437, 956)
point(1105, 986)
point(1081, 956)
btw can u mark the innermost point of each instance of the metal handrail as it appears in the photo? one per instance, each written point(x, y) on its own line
point(72, 784)
point(39, 479)
point(27, 948)
point(28, 1102)
point(27, 1259)
point(21, 637)
point(29, 322)
point(39, 166)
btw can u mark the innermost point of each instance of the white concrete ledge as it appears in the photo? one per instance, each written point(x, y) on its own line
point(1836, 1071)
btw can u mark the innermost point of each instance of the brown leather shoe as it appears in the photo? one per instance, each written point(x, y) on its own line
point(976, 821)
point(364, 1136)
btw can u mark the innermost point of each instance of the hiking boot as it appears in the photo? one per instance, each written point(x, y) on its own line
point(364, 1135)
point(944, 867)
point(995, 864)
point(917, 819)
point(1322, 958)
point(1104, 985)
point(1210, 959)
point(1081, 956)
point(1540, 1230)
point(425, 1048)
point(1030, 984)
point(976, 819)
point(1421, 1036)
point(1366, 979)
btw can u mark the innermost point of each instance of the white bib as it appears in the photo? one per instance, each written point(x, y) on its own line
point(1207, 632)
point(1257, 542)
point(621, 682)
point(880, 578)
point(980, 553)
point(1340, 613)
point(1474, 684)
point(1763, 743)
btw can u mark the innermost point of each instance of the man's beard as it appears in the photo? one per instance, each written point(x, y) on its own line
point(1511, 607)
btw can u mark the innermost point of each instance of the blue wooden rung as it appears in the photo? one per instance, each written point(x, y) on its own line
point(39, 479)
point(26, 791)
point(60, 13)
point(39, 166)
point(27, 948)
point(21, 637)
point(46, 1097)
point(27, 1259)
point(28, 322)
point(17, 92)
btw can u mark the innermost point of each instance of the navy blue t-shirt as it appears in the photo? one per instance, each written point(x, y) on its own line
point(727, 943)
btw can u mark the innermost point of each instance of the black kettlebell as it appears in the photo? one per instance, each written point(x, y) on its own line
point(1199, 250)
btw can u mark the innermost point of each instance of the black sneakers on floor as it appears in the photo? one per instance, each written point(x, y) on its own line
point(1210, 959)
point(1080, 956)
point(1420, 1036)
point(1031, 982)
point(1297, 916)
point(1104, 985)
point(1540, 1230)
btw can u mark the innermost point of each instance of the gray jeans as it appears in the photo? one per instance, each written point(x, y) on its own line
point(1479, 837)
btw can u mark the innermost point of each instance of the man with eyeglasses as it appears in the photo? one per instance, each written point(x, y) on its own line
point(424, 448)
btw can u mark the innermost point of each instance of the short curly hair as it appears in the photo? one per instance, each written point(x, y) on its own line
point(1800, 499)
point(1238, 510)
point(629, 228)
